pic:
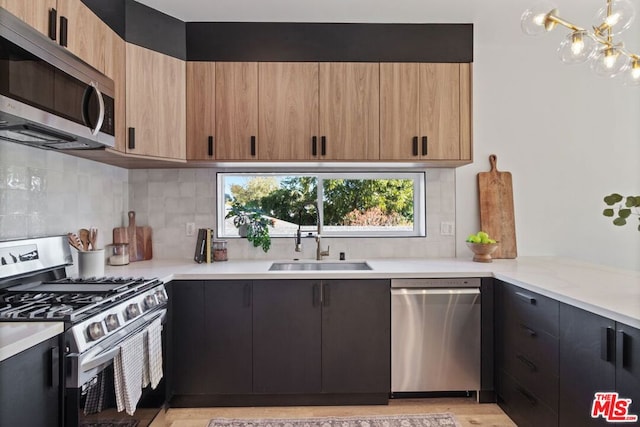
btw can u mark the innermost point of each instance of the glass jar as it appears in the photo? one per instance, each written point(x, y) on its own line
point(219, 250)
point(118, 254)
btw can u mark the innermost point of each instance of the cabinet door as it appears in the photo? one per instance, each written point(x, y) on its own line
point(227, 336)
point(286, 336)
point(587, 364)
point(187, 360)
point(628, 365)
point(30, 386)
point(350, 111)
point(399, 111)
point(86, 35)
point(33, 12)
point(356, 336)
point(440, 111)
point(116, 69)
point(236, 111)
point(201, 105)
point(288, 110)
point(155, 104)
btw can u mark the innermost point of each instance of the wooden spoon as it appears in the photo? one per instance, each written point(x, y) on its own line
point(93, 237)
point(74, 241)
point(84, 238)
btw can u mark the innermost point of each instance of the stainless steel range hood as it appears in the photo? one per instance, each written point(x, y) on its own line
point(49, 98)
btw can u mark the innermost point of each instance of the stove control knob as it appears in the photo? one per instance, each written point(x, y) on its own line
point(95, 331)
point(112, 322)
point(161, 297)
point(149, 302)
point(131, 311)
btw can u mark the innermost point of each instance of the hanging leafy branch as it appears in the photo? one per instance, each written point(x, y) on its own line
point(630, 207)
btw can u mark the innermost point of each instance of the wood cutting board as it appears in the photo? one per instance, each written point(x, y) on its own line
point(495, 194)
point(138, 238)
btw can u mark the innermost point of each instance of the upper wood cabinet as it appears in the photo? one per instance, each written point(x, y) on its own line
point(288, 110)
point(155, 111)
point(236, 111)
point(425, 111)
point(350, 111)
point(33, 12)
point(201, 106)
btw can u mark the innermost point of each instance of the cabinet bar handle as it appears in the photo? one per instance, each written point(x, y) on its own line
point(415, 145)
point(323, 146)
point(606, 344)
point(532, 366)
point(531, 300)
point(54, 355)
point(246, 295)
point(53, 20)
point(527, 395)
point(253, 145)
point(210, 146)
point(63, 30)
point(424, 146)
point(314, 145)
point(132, 138)
point(622, 349)
point(326, 301)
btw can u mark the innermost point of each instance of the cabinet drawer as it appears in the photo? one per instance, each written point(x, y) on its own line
point(532, 373)
point(522, 405)
point(537, 346)
point(530, 309)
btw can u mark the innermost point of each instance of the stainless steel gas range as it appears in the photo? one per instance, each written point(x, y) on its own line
point(100, 315)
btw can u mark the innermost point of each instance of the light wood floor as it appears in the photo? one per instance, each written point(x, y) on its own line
point(466, 410)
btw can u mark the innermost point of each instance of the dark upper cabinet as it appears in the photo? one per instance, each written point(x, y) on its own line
point(30, 387)
point(356, 336)
point(286, 336)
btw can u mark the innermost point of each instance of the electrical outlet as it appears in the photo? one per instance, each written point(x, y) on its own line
point(191, 229)
point(447, 228)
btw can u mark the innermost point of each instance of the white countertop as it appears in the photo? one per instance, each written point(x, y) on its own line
point(607, 291)
point(19, 336)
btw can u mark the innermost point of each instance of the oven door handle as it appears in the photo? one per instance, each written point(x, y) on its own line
point(108, 355)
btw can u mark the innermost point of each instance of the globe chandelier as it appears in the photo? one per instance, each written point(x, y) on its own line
point(607, 57)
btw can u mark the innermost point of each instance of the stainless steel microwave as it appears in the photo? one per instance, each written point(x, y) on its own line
point(49, 98)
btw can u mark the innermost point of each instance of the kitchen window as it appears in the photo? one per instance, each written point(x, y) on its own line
point(384, 204)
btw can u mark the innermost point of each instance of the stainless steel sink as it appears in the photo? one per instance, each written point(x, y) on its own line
point(318, 266)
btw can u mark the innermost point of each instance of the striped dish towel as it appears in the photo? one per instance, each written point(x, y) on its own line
point(95, 395)
point(153, 354)
point(128, 366)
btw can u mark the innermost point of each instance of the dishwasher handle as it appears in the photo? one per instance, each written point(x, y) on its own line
point(455, 291)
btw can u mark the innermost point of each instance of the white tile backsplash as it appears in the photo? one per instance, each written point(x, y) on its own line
point(50, 193)
point(47, 192)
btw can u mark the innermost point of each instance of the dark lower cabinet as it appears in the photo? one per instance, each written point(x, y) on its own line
point(356, 336)
point(279, 342)
point(30, 387)
point(227, 340)
point(286, 336)
point(596, 355)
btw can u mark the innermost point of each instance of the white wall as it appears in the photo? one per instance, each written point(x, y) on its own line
point(568, 137)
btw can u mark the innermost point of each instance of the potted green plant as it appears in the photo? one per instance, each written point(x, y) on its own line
point(252, 224)
point(622, 213)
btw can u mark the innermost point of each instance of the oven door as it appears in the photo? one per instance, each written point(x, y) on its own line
point(89, 393)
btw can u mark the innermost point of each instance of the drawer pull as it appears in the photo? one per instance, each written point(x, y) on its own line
point(529, 331)
point(527, 395)
point(531, 300)
point(532, 366)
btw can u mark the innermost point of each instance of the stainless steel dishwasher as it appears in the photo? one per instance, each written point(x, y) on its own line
point(435, 335)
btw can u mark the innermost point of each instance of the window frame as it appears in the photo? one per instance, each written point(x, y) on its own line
point(419, 202)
